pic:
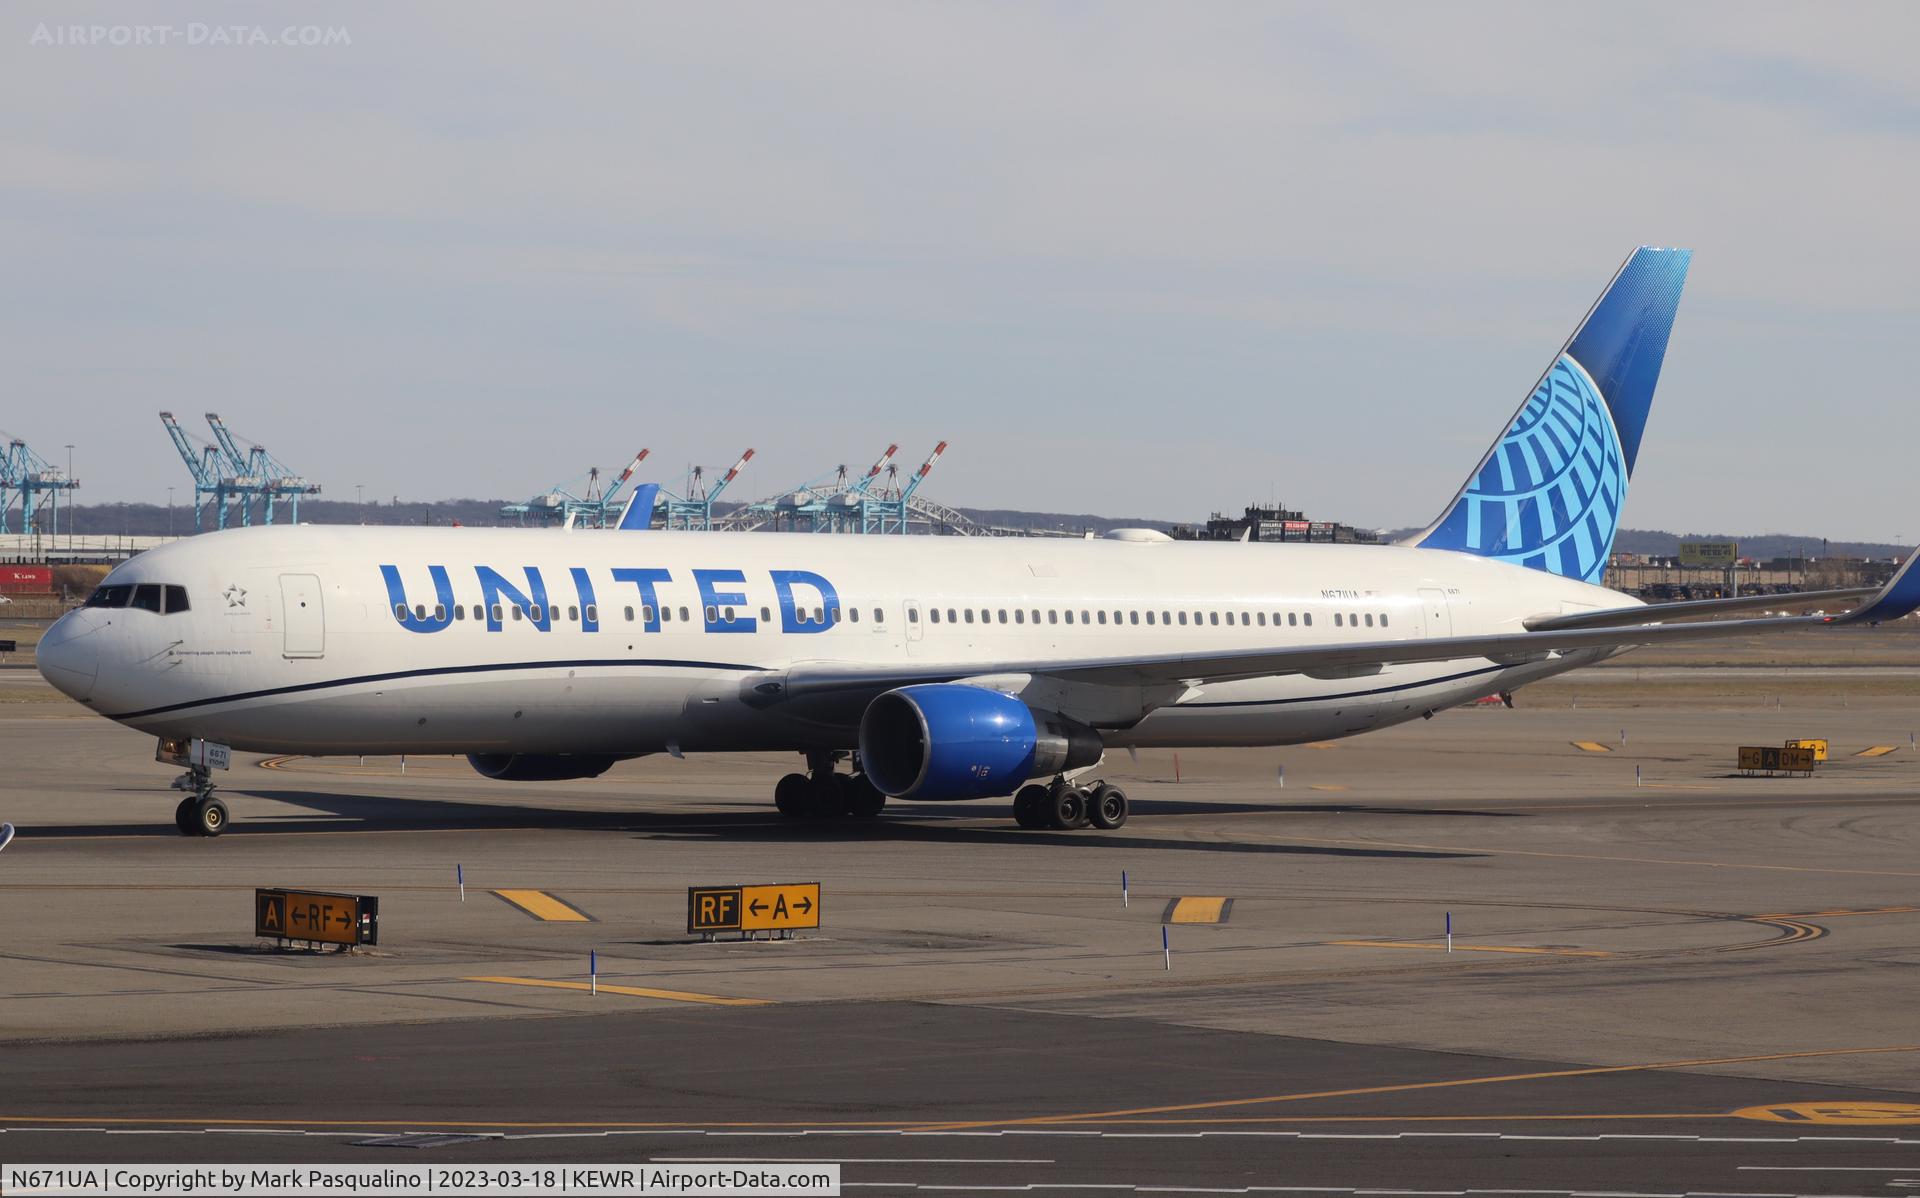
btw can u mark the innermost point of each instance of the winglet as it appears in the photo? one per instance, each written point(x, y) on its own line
point(638, 517)
point(1899, 597)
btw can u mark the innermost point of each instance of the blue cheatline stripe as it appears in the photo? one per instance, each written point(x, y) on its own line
point(1379, 690)
point(333, 683)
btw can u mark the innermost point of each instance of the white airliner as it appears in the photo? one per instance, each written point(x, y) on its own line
point(936, 668)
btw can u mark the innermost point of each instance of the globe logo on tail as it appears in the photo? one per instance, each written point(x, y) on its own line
point(1549, 494)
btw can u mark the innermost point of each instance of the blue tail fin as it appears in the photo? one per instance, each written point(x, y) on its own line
point(1549, 493)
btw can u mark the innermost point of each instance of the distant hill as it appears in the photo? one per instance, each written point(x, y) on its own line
point(147, 519)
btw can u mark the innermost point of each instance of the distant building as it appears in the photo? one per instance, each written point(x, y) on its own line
point(1274, 524)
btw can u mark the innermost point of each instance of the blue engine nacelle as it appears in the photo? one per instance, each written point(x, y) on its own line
point(953, 741)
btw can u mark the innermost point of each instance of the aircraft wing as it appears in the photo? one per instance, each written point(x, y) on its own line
point(1900, 596)
point(1647, 613)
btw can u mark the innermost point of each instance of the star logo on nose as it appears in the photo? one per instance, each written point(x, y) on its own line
point(236, 596)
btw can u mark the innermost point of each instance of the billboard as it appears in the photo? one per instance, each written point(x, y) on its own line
point(1720, 554)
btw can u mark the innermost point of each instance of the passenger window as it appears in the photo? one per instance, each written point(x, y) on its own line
point(1069, 615)
point(833, 614)
point(534, 613)
point(518, 615)
point(666, 615)
point(1166, 617)
point(1369, 619)
point(1213, 617)
point(573, 612)
point(439, 614)
point(1353, 619)
point(1383, 619)
point(1085, 617)
point(933, 613)
point(1019, 617)
point(1149, 618)
point(1336, 619)
point(1003, 615)
point(853, 614)
point(420, 612)
point(766, 615)
point(1292, 620)
point(950, 618)
point(1133, 617)
point(683, 614)
point(1183, 619)
point(496, 613)
point(969, 615)
point(400, 612)
point(1199, 619)
point(459, 611)
point(1263, 619)
point(1103, 617)
point(1307, 619)
point(176, 599)
point(713, 614)
point(1036, 615)
point(1053, 616)
point(629, 614)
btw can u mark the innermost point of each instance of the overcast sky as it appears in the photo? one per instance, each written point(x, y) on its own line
point(1140, 260)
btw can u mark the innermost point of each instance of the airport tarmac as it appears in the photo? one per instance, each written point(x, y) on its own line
point(1702, 982)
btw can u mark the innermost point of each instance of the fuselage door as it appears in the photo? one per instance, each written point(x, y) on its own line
point(915, 628)
point(1434, 612)
point(302, 616)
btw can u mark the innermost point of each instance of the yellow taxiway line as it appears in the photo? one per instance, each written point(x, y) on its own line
point(712, 1000)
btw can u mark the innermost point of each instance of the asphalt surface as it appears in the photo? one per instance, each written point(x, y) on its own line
point(1703, 983)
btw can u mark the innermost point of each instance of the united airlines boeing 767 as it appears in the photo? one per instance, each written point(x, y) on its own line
point(932, 668)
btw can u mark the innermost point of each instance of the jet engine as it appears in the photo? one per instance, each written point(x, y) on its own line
point(953, 741)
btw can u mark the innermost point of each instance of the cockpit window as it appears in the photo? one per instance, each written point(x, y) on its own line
point(146, 597)
point(111, 596)
point(176, 599)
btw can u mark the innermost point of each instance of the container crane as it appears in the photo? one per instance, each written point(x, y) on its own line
point(27, 474)
point(208, 466)
point(891, 507)
point(258, 472)
point(694, 510)
point(592, 508)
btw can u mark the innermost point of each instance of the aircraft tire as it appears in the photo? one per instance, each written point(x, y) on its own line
point(863, 798)
point(1066, 808)
point(183, 817)
point(210, 817)
point(1030, 807)
point(1107, 807)
point(791, 795)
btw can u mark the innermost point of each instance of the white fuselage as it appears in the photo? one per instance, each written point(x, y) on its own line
point(292, 642)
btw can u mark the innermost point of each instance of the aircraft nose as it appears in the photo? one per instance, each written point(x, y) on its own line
point(69, 655)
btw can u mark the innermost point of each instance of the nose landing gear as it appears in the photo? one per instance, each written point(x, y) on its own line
point(199, 814)
point(1064, 806)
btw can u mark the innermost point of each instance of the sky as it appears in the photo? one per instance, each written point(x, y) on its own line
point(1132, 259)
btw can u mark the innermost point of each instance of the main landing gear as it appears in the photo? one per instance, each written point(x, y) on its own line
point(823, 793)
point(199, 814)
point(1064, 806)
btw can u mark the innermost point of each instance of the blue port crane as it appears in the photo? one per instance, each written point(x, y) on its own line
point(25, 474)
point(212, 478)
point(258, 473)
point(694, 508)
point(592, 507)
